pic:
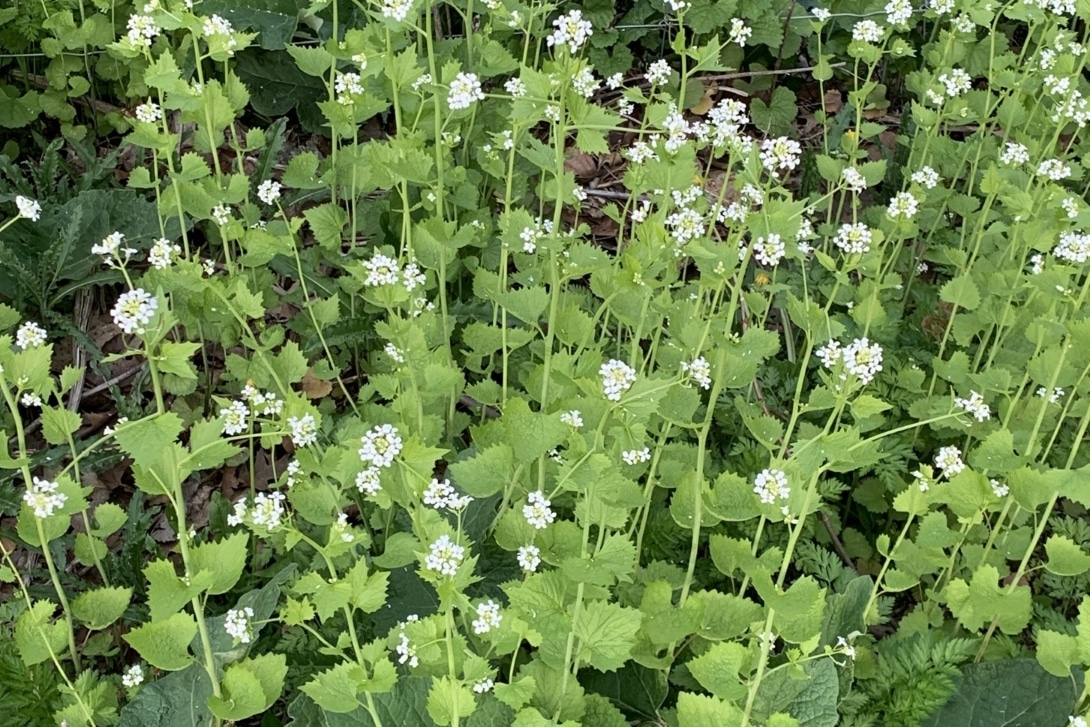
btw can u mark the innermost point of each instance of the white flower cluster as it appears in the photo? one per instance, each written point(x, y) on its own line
point(1014, 153)
point(394, 353)
point(29, 209)
point(1054, 169)
point(780, 153)
point(162, 253)
point(441, 495)
point(636, 456)
point(617, 378)
point(464, 90)
point(30, 399)
point(396, 9)
point(1074, 247)
point(111, 250)
point(347, 86)
point(572, 418)
point(134, 310)
point(860, 358)
point(529, 558)
point(975, 405)
point(43, 499)
point(700, 371)
point(292, 471)
point(268, 191)
point(263, 403)
point(999, 489)
point(853, 239)
point(926, 177)
point(216, 25)
point(948, 460)
point(444, 556)
point(142, 30)
point(1053, 397)
point(380, 445)
point(658, 73)
point(685, 225)
point(538, 510)
point(903, 206)
point(853, 180)
point(341, 526)
point(30, 335)
point(771, 485)
point(739, 31)
point(236, 418)
point(237, 624)
point(584, 83)
point(515, 86)
point(148, 112)
point(767, 251)
point(221, 213)
point(483, 686)
point(133, 676)
point(867, 31)
point(304, 430)
point(268, 511)
point(488, 617)
point(571, 30)
point(898, 12)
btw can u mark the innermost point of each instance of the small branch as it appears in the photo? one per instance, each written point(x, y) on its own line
point(837, 545)
point(768, 72)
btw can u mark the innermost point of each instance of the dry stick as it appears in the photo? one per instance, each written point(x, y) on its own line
point(770, 72)
point(837, 545)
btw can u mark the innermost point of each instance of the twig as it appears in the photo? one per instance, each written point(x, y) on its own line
point(770, 72)
point(837, 545)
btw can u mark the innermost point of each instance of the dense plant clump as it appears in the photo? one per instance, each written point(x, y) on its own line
point(478, 363)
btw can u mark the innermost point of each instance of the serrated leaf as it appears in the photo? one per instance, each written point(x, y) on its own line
point(165, 644)
point(1065, 557)
point(607, 634)
point(485, 473)
point(962, 292)
point(58, 424)
point(36, 637)
point(225, 559)
point(100, 607)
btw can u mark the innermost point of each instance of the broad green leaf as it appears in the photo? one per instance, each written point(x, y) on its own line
point(36, 637)
point(167, 593)
point(607, 633)
point(1008, 693)
point(250, 687)
point(165, 644)
point(58, 424)
point(99, 608)
point(144, 439)
point(1057, 653)
point(962, 292)
point(178, 699)
point(700, 709)
point(977, 603)
point(718, 670)
point(531, 434)
point(1065, 557)
point(449, 701)
point(812, 700)
point(225, 559)
point(636, 689)
point(486, 472)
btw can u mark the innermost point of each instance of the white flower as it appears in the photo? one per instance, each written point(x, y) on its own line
point(867, 31)
point(421, 81)
point(235, 418)
point(208, 265)
point(771, 485)
point(464, 90)
point(853, 180)
point(292, 471)
point(30, 399)
point(768, 251)
point(221, 214)
point(142, 30)
point(134, 310)
point(412, 276)
point(863, 359)
point(956, 82)
point(161, 255)
point(110, 249)
point(515, 87)
point(529, 558)
point(483, 686)
point(237, 624)
point(406, 652)
point(133, 676)
point(975, 405)
point(822, 14)
point(700, 371)
point(842, 643)
point(444, 556)
point(658, 73)
point(615, 81)
point(999, 489)
point(636, 456)
point(1074, 247)
point(216, 25)
point(949, 461)
point(571, 30)
point(347, 86)
point(268, 510)
point(779, 153)
point(381, 270)
point(572, 418)
point(380, 446)
point(268, 191)
point(341, 526)
point(442, 495)
point(28, 208)
point(584, 83)
point(304, 430)
point(926, 177)
point(1014, 153)
point(30, 335)
point(853, 239)
point(1072, 720)
point(149, 112)
point(898, 12)
point(488, 617)
point(1071, 207)
point(43, 499)
point(1037, 264)
point(396, 9)
point(739, 31)
point(538, 511)
point(1054, 169)
point(368, 481)
point(394, 353)
point(904, 205)
point(1054, 397)
point(617, 378)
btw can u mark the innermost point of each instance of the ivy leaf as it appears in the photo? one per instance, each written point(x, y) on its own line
point(165, 644)
point(99, 608)
point(608, 633)
point(1010, 693)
